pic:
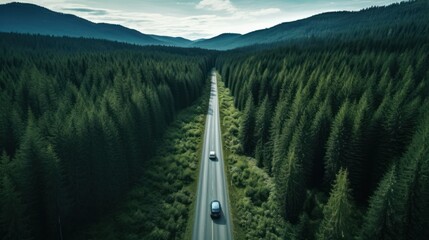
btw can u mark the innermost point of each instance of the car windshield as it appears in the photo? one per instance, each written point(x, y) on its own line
point(215, 206)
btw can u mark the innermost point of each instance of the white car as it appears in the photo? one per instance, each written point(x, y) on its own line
point(212, 155)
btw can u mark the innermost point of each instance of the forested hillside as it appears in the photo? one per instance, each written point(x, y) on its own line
point(78, 120)
point(342, 127)
point(376, 22)
point(33, 19)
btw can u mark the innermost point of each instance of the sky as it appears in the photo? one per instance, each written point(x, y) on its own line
point(196, 19)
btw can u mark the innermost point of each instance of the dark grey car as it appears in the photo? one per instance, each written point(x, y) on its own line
point(215, 209)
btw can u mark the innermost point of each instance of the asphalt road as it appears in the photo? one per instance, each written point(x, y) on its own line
point(212, 182)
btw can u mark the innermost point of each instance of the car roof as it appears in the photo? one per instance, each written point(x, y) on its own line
point(215, 204)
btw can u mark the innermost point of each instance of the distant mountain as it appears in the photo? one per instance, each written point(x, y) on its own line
point(216, 42)
point(29, 18)
point(375, 20)
point(393, 19)
point(173, 41)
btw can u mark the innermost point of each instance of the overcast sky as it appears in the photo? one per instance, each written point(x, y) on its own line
point(194, 19)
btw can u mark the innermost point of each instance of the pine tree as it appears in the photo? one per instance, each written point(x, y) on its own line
point(413, 186)
point(337, 145)
point(338, 221)
point(356, 150)
point(278, 121)
point(283, 141)
point(262, 130)
point(381, 219)
point(13, 224)
point(247, 127)
point(291, 186)
point(303, 228)
point(319, 131)
point(54, 198)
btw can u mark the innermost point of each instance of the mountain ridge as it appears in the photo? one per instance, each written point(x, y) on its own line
point(34, 19)
point(214, 42)
point(341, 23)
point(30, 18)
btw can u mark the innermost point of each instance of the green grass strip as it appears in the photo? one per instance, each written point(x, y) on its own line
point(161, 206)
point(254, 210)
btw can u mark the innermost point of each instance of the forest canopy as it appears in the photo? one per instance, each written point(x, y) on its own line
point(341, 127)
point(78, 120)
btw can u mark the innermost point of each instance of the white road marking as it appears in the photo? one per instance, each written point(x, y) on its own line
point(212, 231)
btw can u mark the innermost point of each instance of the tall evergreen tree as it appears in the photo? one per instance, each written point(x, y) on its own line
point(278, 121)
point(337, 145)
point(381, 219)
point(291, 187)
point(319, 131)
point(357, 152)
point(13, 225)
point(262, 131)
point(302, 228)
point(413, 186)
point(338, 221)
point(247, 128)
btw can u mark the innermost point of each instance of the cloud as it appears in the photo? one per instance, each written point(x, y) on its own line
point(204, 19)
point(264, 12)
point(185, 3)
point(196, 19)
point(189, 26)
point(216, 5)
point(87, 10)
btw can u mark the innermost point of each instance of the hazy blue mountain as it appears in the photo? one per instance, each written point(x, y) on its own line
point(384, 20)
point(173, 41)
point(216, 42)
point(29, 18)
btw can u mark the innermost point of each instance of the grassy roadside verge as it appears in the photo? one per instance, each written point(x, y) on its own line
point(254, 211)
point(161, 206)
point(194, 186)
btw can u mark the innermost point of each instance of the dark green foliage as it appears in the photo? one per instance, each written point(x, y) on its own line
point(159, 206)
point(381, 219)
point(319, 132)
point(13, 222)
point(79, 120)
point(338, 222)
point(412, 186)
point(337, 145)
point(358, 149)
point(262, 134)
point(251, 189)
point(247, 127)
point(352, 104)
point(302, 227)
point(400, 205)
point(291, 187)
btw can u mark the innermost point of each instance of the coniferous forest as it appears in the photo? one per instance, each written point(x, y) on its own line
point(341, 125)
point(79, 118)
point(325, 137)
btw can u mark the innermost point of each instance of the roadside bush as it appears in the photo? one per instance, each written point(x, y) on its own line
point(255, 211)
point(159, 208)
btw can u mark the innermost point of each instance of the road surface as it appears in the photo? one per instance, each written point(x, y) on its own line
point(212, 182)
